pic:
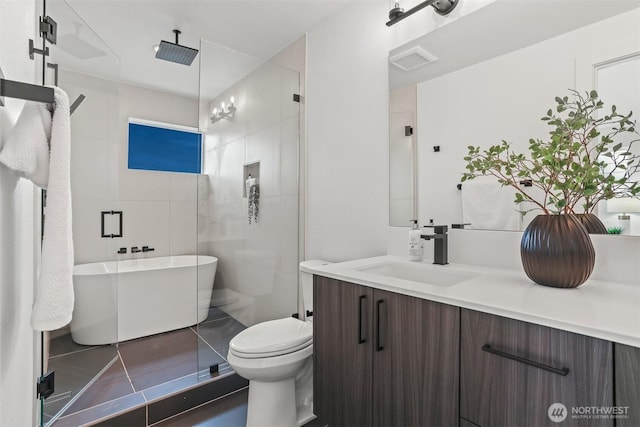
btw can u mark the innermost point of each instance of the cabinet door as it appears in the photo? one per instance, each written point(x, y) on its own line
point(628, 385)
point(342, 356)
point(515, 380)
point(416, 355)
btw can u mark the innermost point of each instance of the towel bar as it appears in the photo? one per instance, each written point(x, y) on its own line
point(31, 92)
point(26, 91)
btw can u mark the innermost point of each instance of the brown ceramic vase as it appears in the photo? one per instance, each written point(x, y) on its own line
point(592, 223)
point(556, 251)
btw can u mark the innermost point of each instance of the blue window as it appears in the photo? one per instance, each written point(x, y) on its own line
point(164, 149)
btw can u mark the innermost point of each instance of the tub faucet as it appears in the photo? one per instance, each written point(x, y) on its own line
point(135, 250)
point(440, 249)
point(147, 249)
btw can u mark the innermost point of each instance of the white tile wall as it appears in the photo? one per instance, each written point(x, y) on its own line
point(159, 208)
point(184, 228)
point(289, 155)
point(148, 223)
point(288, 229)
point(264, 146)
point(264, 97)
point(265, 235)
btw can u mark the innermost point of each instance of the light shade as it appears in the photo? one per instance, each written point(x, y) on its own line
point(624, 205)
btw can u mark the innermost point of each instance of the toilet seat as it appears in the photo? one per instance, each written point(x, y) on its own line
point(272, 338)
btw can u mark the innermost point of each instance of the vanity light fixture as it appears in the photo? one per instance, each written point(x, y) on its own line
point(224, 112)
point(442, 7)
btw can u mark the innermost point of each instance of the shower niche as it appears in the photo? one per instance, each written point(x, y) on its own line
point(250, 171)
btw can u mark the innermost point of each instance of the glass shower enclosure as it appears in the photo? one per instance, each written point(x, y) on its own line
point(126, 220)
point(94, 185)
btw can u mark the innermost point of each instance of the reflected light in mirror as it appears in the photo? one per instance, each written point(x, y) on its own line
point(624, 205)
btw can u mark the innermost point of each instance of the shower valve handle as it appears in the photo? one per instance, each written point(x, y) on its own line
point(135, 250)
point(147, 249)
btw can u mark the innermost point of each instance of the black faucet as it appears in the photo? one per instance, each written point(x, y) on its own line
point(147, 249)
point(135, 250)
point(440, 249)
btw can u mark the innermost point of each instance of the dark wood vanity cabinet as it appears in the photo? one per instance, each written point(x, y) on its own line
point(383, 359)
point(627, 363)
point(513, 371)
point(342, 374)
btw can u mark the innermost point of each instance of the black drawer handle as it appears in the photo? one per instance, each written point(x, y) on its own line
point(379, 346)
point(361, 333)
point(558, 371)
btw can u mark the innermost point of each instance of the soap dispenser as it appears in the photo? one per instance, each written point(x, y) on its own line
point(416, 245)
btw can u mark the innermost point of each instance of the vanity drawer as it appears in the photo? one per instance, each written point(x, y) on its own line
point(513, 371)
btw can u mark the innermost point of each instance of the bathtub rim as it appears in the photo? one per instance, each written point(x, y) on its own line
point(138, 265)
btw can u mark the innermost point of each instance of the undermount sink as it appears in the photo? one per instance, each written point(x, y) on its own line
point(423, 273)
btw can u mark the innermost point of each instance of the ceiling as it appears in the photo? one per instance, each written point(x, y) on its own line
point(498, 28)
point(239, 34)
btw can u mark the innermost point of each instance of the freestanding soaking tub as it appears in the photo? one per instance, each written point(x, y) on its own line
point(119, 301)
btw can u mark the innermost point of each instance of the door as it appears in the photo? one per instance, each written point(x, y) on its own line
point(88, 71)
point(518, 373)
point(415, 361)
point(343, 363)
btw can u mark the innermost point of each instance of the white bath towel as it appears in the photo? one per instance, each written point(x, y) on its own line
point(26, 149)
point(53, 303)
point(487, 205)
point(39, 149)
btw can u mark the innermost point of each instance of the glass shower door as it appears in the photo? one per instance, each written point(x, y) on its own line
point(84, 353)
point(248, 194)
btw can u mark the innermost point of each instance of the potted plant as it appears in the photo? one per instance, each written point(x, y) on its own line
point(585, 160)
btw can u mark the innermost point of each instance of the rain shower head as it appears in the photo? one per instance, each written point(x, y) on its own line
point(175, 52)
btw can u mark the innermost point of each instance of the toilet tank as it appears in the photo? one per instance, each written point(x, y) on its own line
point(306, 285)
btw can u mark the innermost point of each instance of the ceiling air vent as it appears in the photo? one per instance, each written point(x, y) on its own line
point(412, 58)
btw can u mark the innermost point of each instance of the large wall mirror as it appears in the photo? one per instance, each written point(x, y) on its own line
point(490, 76)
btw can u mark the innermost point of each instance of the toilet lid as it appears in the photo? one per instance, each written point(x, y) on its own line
point(272, 338)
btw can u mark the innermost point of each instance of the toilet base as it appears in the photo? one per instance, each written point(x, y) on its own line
point(272, 404)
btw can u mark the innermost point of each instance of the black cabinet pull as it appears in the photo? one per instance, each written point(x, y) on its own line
point(379, 346)
point(559, 371)
point(361, 334)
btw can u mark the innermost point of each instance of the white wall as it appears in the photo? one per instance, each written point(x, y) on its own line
point(18, 233)
point(347, 134)
point(501, 98)
point(159, 208)
point(257, 276)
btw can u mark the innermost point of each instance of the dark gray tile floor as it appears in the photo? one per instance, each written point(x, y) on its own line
point(137, 365)
point(155, 360)
point(219, 332)
point(74, 371)
point(230, 411)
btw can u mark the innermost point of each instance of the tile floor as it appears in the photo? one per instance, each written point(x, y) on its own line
point(142, 369)
point(230, 411)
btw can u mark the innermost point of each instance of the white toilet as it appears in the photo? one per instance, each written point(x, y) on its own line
point(275, 357)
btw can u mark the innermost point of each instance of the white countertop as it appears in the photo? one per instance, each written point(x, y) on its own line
point(605, 310)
